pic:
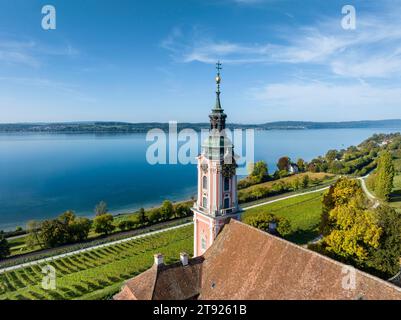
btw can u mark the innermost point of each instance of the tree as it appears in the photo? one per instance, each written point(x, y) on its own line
point(104, 224)
point(331, 155)
point(78, 229)
point(126, 225)
point(167, 210)
point(336, 167)
point(305, 181)
point(386, 257)
point(284, 226)
point(53, 233)
point(142, 219)
point(154, 215)
point(355, 232)
point(101, 208)
point(182, 210)
point(66, 228)
point(340, 193)
point(67, 217)
point(260, 171)
point(282, 173)
point(384, 176)
point(262, 221)
point(33, 239)
point(4, 246)
point(312, 167)
point(301, 165)
point(283, 163)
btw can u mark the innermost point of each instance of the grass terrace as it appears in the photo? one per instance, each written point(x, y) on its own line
point(303, 212)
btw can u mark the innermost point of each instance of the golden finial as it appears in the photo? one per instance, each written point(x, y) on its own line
point(218, 67)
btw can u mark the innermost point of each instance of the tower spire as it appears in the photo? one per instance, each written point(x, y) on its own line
point(218, 117)
point(217, 181)
point(218, 80)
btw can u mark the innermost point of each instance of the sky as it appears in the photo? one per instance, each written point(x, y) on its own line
point(154, 60)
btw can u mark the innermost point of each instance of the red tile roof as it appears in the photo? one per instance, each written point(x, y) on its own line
point(246, 263)
point(164, 282)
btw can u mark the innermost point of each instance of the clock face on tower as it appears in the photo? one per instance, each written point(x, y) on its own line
point(228, 170)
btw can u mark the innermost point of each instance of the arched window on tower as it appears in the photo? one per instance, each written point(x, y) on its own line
point(226, 184)
point(204, 182)
point(204, 202)
point(226, 202)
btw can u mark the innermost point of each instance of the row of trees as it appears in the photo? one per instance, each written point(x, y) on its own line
point(381, 182)
point(104, 222)
point(67, 228)
point(357, 233)
point(167, 211)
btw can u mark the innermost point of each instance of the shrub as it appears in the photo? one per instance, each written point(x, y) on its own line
point(305, 181)
point(262, 221)
point(142, 218)
point(182, 210)
point(166, 210)
point(4, 246)
point(126, 225)
point(104, 224)
point(154, 215)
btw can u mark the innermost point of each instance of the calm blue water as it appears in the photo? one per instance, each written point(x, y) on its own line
point(42, 175)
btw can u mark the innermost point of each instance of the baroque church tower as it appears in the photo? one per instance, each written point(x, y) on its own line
point(217, 181)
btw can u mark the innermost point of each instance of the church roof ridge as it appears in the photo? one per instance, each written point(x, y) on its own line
point(313, 253)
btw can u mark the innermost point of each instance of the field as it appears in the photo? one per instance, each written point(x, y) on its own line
point(321, 176)
point(99, 273)
point(303, 212)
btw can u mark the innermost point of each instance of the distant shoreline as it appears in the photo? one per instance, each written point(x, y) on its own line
point(125, 127)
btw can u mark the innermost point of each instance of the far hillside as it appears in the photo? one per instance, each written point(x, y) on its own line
point(125, 127)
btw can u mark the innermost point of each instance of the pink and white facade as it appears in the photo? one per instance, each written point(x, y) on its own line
point(217, 182)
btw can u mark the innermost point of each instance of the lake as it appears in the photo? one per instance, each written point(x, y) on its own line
point(42, 175)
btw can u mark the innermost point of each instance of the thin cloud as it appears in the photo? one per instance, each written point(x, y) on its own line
point(373, 50)
point(30, 53)
point(17, 52)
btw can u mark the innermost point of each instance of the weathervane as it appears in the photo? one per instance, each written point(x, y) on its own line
point(218, 67)
point(218, 78)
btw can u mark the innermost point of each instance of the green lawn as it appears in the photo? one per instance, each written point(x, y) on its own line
point(99, 273)
point(303, 212)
